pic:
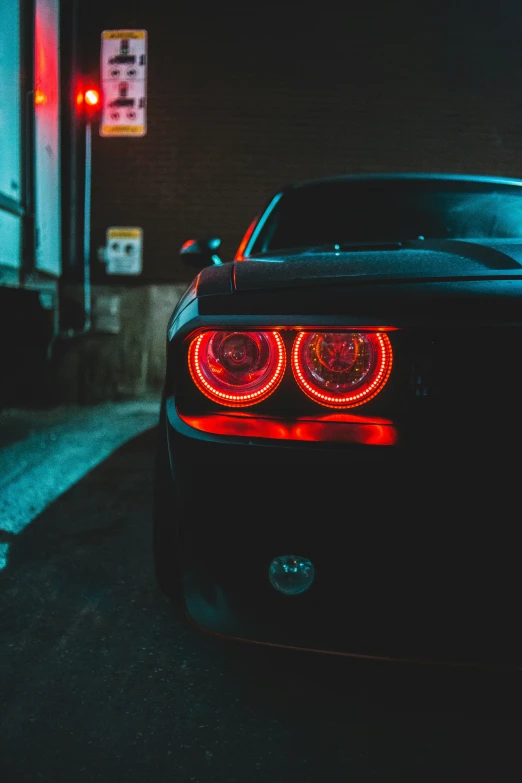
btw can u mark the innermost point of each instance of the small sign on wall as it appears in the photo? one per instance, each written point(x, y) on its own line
point(124, 81)
point(123, 251)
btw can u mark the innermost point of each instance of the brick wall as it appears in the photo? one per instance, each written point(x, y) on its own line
point(254, 95)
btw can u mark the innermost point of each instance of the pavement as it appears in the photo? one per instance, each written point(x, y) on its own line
point(44, 452)
point(102, 679)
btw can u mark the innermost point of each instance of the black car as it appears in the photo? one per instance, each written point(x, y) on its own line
point(338, 464)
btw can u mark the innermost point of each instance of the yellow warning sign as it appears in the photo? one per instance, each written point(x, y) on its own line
point(123, 34)
point(123, 130)
point(123, 68)
point(124, 233)
point(124, 250)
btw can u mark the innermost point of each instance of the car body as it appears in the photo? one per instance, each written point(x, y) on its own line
point(337, 464)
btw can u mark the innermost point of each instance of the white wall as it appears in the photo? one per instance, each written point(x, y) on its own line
point(10, 172)
point(10, 175)
point(10, 240)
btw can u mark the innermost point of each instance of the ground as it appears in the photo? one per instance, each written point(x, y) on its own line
point(101, 679)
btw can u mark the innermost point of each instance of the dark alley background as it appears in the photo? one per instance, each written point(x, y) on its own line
point(244, 97)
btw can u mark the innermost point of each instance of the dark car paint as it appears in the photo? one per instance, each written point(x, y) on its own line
point(387, 585)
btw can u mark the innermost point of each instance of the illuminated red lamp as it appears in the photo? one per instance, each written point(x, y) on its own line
point(40, 98)
point(237, 368)
point(342, 369)
point(92, 97)
point(325, 429)
point(88, 102)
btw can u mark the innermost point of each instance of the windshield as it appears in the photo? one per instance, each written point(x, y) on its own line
point(347, 212)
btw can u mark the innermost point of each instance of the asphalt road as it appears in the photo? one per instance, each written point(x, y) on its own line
point(101, 680)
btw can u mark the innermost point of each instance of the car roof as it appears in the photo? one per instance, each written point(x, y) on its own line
point(426, 176)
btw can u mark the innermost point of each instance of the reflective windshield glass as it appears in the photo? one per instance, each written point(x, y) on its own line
point(342, 212)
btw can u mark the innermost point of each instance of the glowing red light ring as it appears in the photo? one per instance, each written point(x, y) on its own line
point(236, 400)
point(367, 392)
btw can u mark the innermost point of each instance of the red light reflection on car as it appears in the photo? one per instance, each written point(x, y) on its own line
point(333, 429)
point(244, 242)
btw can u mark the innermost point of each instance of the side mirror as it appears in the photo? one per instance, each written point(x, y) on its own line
point(201, 252)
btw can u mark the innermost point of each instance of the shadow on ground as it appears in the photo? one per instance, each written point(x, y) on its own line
point(101, 679)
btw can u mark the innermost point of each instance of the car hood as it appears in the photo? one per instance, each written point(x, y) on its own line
point(415, 260)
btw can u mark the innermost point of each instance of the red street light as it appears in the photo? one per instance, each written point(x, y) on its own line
point(40, 97)
point(88, 103)
point(92, 97)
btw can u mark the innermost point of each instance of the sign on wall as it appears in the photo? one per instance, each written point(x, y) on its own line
point(123, 252)
point(124, 83)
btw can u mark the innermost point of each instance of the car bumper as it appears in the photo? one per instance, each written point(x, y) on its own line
point(402, 569)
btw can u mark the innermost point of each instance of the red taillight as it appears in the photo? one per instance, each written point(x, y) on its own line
point(335, 428)
point(237, 368)
point(341, 369)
